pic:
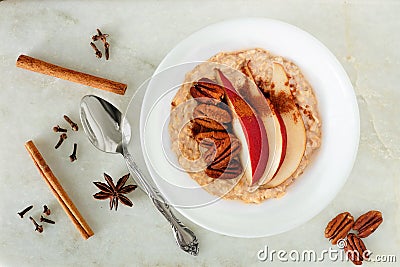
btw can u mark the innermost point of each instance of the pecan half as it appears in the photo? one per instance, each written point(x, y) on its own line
point(207, 143)
point(197, 128)
point(207, 91)
point(220, 151)
point(367, 223)
point(231, 152)
point(211, 135)
point(210, 124)
point(222, 162)
point(233, 170)
point(355, 249)
point(215, 152)
point(213, 112)
point(339, 226)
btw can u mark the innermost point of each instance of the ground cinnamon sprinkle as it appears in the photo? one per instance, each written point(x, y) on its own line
point(295, 117)
point(282, 102)
point(241, 107)
point(308, 113)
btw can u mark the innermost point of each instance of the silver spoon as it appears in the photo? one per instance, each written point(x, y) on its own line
point(102, 123)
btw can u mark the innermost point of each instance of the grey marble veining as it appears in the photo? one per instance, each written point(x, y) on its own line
point(362, 34)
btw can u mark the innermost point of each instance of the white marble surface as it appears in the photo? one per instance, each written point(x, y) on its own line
point(364, 36)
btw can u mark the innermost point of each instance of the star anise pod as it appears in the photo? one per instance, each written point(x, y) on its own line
point(115, 192)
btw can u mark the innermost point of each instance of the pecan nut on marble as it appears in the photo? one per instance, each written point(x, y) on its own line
point(207, 91)
point(339, 227)
point(367, 223)
point(355, 249)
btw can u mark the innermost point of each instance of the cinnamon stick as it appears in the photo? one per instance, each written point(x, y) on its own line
point(58, 191)
point(36, 65)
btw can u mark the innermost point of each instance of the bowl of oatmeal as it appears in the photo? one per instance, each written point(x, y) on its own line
point(237, 201)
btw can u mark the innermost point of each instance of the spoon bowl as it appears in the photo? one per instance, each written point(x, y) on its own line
point(102, 123)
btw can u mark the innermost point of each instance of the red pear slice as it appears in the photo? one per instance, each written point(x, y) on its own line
point(295, 130)
point(275, 128)
point(252, 128)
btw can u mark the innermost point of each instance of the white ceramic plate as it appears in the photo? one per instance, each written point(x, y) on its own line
point(323, 178)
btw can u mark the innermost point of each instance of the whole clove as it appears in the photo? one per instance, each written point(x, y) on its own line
point(96, 50)
point(61, 140)
point(43, 219)
point(46, 210)
point(72, 157)
point(100, 36)
point(103, 38)
point(58, 129)
point(74, 126)
point(38, 227)
point(22, 213)
point(107, 50)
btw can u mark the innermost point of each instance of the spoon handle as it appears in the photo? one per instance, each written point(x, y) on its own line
point(185, 238)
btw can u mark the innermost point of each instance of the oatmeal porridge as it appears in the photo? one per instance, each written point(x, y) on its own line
point(230, 181)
